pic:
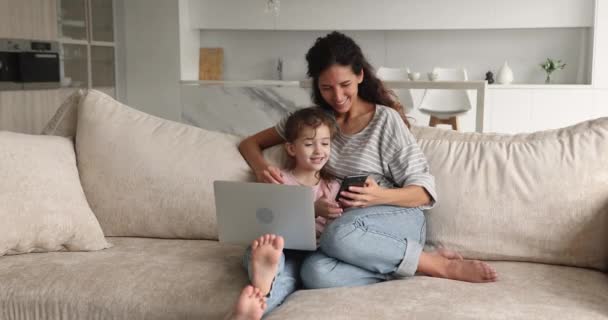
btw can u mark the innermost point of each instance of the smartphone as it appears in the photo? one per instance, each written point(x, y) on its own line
point(356, 181)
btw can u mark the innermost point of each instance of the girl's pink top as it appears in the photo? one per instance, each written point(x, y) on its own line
point(324, 188)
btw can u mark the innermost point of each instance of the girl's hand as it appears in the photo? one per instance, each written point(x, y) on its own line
point(327, 208)
point(270, 174)
point(361, 197)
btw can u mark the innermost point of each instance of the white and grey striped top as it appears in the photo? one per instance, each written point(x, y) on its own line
point(385, 150)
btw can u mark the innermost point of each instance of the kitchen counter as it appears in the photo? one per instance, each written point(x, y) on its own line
point(281, 93)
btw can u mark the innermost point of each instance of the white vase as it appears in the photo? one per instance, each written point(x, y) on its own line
point(505, 75)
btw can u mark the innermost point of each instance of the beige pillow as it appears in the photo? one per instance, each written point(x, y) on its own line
point(149, 177)
point(42, 205)
point(540, 197)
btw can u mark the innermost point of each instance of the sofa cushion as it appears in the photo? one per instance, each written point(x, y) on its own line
point(42, 205)
point(149, 177)
point(184, 279)
point(136, 279)
point(527, 197)
point(523, 291)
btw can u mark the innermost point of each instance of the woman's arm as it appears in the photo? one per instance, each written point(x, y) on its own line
point(372, 194)
point(251, 150)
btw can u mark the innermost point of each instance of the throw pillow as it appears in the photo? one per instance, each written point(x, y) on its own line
point(149, 177)
point(42, 205)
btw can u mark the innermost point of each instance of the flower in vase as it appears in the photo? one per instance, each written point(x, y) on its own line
point(551, 65)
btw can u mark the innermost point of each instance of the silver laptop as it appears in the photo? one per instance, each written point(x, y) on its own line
point(245, 211)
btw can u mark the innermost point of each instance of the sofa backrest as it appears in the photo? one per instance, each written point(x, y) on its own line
point(540, 197)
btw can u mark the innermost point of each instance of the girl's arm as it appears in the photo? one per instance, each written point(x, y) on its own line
point(251, 150)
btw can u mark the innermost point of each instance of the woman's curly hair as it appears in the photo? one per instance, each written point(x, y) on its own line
point(337, 48)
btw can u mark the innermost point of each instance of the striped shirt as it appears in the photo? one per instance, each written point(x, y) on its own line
point(385, 150)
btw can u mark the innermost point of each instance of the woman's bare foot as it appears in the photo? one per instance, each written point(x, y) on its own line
point(441, 265)
point(447, 253)
point(471, 271)
point(250, 306)
point(265, 257)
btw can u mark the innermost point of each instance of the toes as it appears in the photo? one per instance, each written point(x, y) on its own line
point(489, 272)
point(267, 238)
point(255, 244)
point(278, 242)
point(248, 291)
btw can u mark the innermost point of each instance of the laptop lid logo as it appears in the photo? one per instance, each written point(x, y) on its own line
point(264, 215)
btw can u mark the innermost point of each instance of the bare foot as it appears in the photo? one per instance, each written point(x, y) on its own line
point(470, 270)
point(265, 257)
point(447, 253)
point(250, 306)
point(449, 264)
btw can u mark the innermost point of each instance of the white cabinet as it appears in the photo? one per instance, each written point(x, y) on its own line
point(28, 19)
point(600, 45)
point(555, 108)
point(86, 34)
point(600, 103)
point(28, 111)
point(535, 109)
point(508, 111)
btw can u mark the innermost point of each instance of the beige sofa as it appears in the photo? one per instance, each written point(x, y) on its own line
point(536, 204)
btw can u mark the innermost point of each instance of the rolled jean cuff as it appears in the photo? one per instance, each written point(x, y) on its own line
point(409, 264)
point(281, 266)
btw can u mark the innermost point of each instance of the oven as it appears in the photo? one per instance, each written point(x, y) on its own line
point(28, 64)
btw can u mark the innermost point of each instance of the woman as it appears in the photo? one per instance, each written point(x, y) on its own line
point(381, 234)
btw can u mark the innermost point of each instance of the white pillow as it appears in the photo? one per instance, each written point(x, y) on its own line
point(42, 205)
point(149, 177)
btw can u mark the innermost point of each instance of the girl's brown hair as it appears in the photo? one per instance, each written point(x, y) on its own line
point(337, 48)
point(313, 117)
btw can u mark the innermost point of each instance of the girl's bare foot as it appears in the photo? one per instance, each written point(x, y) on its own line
point(250, 306)
point(265, 257)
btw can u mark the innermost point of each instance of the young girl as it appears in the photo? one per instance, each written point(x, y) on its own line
point(308, 134)
point(272, 272)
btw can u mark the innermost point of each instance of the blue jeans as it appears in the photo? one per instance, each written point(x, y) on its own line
point(364, 246)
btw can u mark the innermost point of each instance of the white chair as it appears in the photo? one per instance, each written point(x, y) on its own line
point(398, 74)
point(444, 106)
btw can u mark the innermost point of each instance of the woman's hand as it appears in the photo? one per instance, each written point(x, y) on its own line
point(270, 174)
point(361, 197)
point(327, 208)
